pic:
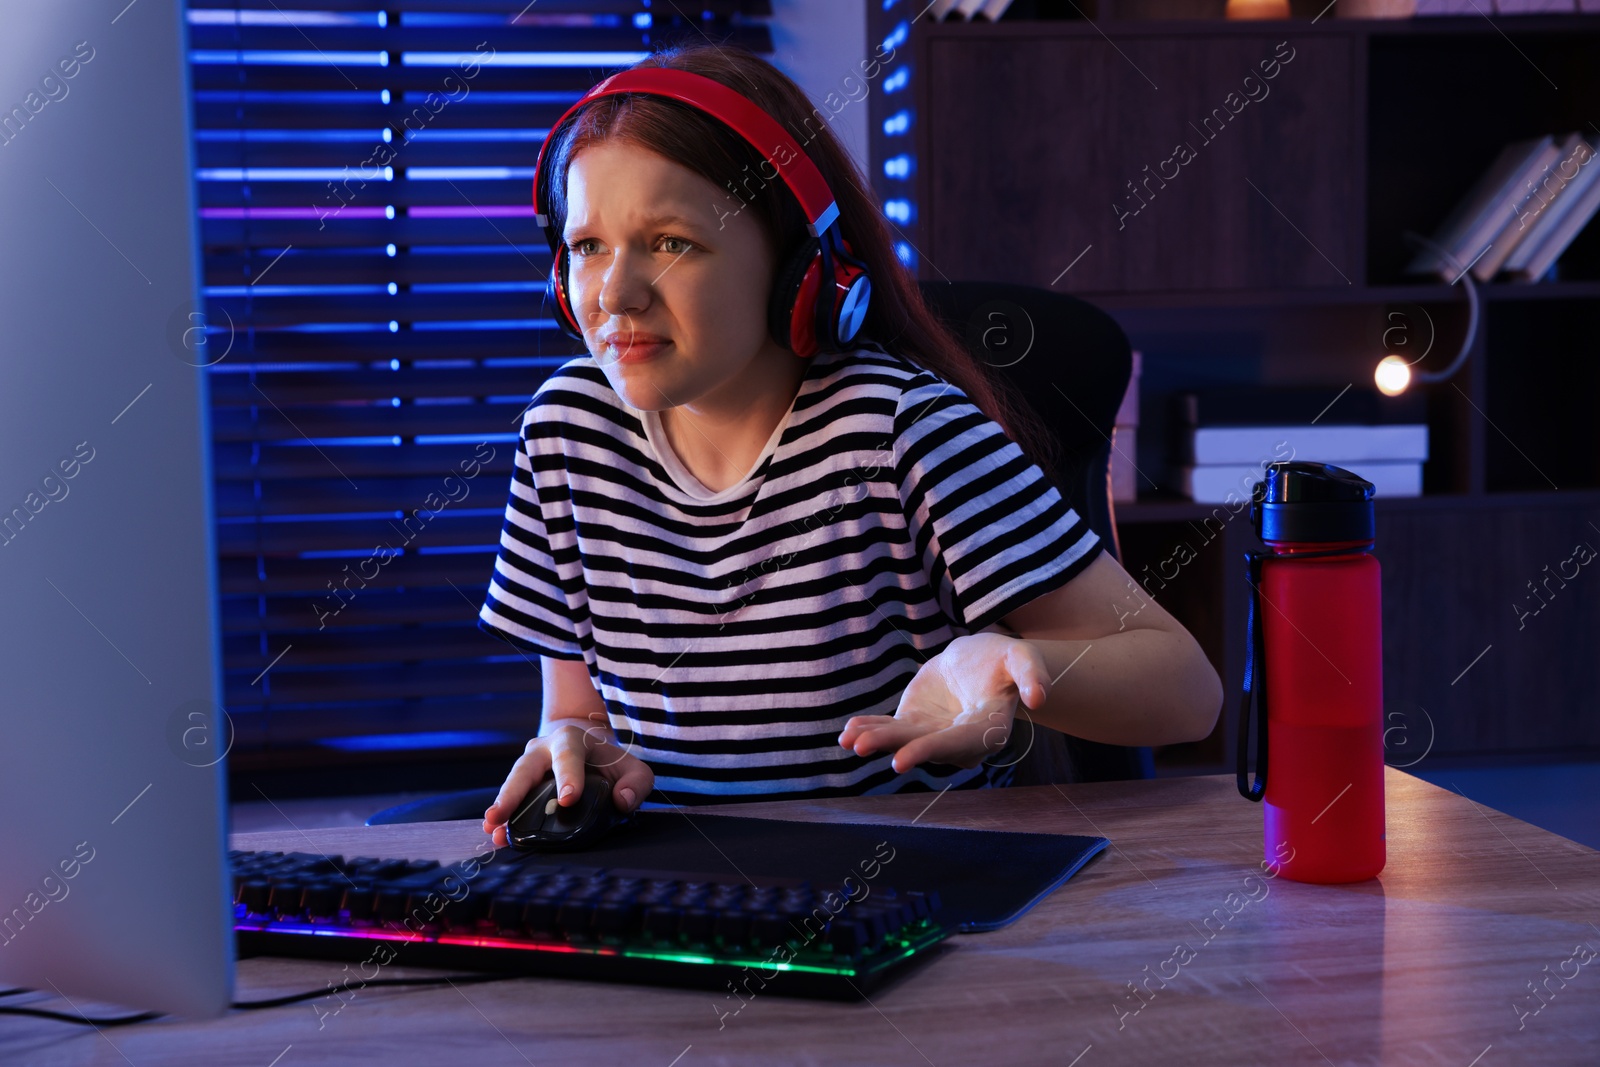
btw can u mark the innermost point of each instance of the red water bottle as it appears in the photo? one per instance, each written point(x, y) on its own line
point(1315, 647)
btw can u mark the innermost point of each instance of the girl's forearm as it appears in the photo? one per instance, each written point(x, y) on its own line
point(1137, 687)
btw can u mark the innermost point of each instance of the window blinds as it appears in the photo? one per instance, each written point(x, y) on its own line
point(373, 325)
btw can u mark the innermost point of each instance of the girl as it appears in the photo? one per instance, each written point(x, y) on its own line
point(750, 575)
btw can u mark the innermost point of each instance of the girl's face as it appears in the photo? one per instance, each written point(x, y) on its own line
point(668, 277)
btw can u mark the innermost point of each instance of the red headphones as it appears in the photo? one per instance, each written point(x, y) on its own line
point(803, 314)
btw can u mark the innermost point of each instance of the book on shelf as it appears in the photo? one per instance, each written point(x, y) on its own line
point(1213, 445)
point(1228, 483)
point(1266, 405)
point(1534, 7)
point(1536, 199)
point(1562, 219)
point(1493, 202)
point(970, 10)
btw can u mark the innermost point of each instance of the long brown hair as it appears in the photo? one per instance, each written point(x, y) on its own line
point(898, 317)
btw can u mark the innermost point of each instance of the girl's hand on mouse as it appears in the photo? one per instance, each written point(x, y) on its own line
point(960, 707)
point(567, 748)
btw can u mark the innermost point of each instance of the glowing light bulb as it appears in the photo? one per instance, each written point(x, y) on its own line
point(1392, 375)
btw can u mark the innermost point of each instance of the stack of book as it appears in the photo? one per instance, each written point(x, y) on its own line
point(1521, 214)
point(1225, 441)
point(969, 10)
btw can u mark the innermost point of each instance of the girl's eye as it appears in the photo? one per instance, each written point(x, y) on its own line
point(671, 245)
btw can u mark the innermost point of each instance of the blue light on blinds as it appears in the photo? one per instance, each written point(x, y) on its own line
point(278, 174)
point(279, 17)
point(427, 739)
point(452, 250)
point(521, 59)
point(419, 18)
point(488, 324)
point(268, 57)
point(476, 135)
point(283, 96)
point(288, 135)
point(900, 211)
point(477, 287)
point(328, 327)
point(471, 174)
point(464, 439)
point(288, 290)
point(303, 442)
point(897, 124)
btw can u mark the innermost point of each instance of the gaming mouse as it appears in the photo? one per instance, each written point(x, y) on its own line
point(543, 825)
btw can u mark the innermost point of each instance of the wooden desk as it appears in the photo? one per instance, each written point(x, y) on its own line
point(1427, 964)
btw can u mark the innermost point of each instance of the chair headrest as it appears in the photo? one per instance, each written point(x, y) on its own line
point(1068, 358)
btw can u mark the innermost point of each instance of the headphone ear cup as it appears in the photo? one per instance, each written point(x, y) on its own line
point(852, 296)
point(792, 312)
point(555, 291)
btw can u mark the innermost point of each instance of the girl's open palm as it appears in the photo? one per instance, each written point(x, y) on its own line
point(960, 706)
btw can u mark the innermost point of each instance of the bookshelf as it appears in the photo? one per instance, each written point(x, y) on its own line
point(1274, 256)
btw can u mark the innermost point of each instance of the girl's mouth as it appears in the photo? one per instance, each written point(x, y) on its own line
point(638, 351)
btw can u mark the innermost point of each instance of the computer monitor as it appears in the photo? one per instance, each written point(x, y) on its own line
point(114, 885)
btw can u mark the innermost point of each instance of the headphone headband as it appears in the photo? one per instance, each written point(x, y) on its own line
point(724, 104)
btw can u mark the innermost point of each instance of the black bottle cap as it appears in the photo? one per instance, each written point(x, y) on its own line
point(1311, 503)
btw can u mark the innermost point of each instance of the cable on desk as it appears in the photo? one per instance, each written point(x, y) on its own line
point(82, 1020)
point(291, 998)
point(247, 1005)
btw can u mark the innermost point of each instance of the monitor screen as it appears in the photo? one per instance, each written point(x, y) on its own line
point(114, 885)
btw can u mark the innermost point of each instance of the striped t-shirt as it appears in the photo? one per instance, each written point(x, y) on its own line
point(732, 634)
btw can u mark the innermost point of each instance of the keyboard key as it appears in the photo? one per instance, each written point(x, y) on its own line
point(696, 926)
point(847, 936)
point(285, 898)
point(769, 929)
point(731, 928)
point(505, 912)
point(614, 917)
point(663, 922)
point(358, 902)
point(322, 900)
point(539, 916)
point(575, 917)
point(254, 895)
point(390, 904)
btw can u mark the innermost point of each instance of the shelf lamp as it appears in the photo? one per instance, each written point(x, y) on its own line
point(1393, 373)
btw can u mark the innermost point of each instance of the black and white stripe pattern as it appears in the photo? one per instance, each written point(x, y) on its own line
point(733, 634)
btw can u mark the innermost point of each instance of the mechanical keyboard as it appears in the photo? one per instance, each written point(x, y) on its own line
point(525, 913)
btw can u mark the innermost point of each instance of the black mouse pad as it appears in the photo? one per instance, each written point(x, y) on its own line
point(985, 878)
